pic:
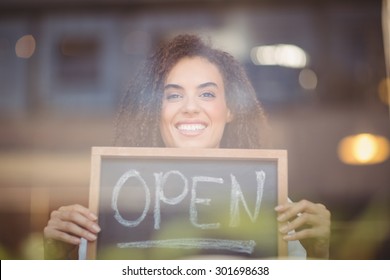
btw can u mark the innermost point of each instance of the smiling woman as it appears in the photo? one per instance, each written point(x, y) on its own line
point(191, 91)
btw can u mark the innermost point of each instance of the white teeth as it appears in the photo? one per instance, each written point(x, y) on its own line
point(191, 127)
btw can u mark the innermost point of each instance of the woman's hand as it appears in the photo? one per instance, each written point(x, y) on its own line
point(71, 223)
point(64, 231)
point(307, 222)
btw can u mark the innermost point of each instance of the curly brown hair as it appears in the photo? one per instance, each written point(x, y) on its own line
point(139, 115)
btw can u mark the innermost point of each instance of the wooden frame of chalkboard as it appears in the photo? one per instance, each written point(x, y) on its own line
point(130, 193)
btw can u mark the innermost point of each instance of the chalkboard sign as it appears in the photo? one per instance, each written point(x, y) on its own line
point(167, 203)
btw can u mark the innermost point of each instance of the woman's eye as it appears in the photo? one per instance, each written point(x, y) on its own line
point(207, 95)
point(172, 96)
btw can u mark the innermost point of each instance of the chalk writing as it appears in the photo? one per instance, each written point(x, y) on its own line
point(239, 246)
point(206, 201)
point(160, 181)
point(237, 195)
point(116, 192)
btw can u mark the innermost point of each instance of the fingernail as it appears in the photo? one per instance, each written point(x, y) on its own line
point(76, 240)
point(96, 228)
point(288, 237)
point(93, 216)
point(91, 237)
point(284, 229)
point(278, 208)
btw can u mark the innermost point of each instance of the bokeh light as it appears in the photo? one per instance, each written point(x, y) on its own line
point(363, 149)
point(25, 46)
point(285, 55)
point(308, 79)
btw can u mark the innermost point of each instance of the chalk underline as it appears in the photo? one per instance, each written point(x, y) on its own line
point(239, 246)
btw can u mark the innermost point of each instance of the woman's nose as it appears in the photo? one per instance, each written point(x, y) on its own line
point(191, 105)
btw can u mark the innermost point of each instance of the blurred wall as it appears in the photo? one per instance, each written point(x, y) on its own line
point(65, 64)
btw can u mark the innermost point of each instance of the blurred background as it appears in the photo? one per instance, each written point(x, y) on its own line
point(318, 67)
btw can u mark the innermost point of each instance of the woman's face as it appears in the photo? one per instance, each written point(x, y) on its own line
point(194, 111)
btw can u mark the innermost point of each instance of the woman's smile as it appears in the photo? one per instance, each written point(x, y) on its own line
point(191, 128)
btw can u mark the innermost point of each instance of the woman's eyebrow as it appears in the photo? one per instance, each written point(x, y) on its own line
point(208, 84)
point(201, 86)
point(172, 86)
